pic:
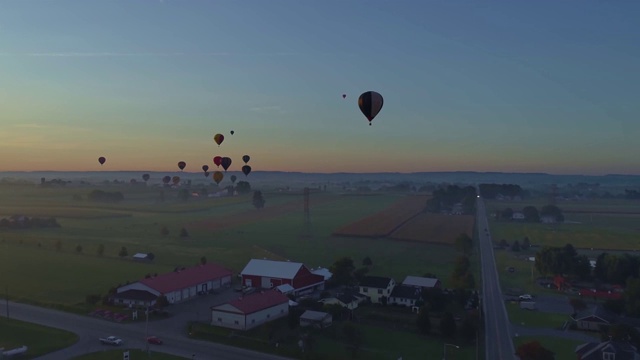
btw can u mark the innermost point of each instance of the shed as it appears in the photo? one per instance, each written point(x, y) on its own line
point(317, 319)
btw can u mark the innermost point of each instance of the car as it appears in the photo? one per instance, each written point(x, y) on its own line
point(154, 340)
point(525, 297)
point(111, 340)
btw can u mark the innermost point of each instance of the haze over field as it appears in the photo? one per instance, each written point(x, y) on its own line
point(540, 86)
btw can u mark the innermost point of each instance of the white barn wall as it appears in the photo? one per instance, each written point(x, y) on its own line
point(266, 315)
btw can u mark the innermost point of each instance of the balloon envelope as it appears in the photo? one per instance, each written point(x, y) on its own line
point(370, 103)
point(218, 176)
point(344, 96)
point(176, 180)
point(182, 165)
point(233, 179)
point(232, 132)
point(102, 160)
point(246, 158)
point(146, 177)
point(166, 179)
point(206, 174)
point(205, 168)
point(246, 170)
point(218, 138)
point(225, 162)
point(217, 160)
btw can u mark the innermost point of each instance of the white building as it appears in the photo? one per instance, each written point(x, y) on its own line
point(377, 288)
point(176, 286)
point(250, 311)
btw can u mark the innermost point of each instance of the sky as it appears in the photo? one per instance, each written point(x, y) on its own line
point(512, 86)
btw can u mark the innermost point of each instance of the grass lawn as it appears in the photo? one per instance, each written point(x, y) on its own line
point(133, 355)
point(563, 348)
point(534, 318)
point(39, 339)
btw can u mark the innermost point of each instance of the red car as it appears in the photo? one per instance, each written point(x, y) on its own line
point(154, 340)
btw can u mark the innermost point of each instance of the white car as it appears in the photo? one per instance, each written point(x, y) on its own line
point(525, 297)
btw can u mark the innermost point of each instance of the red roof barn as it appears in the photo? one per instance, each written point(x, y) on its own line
point(268, 274)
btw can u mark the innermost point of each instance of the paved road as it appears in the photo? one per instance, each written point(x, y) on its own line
point(498, 332)
point(90, 329)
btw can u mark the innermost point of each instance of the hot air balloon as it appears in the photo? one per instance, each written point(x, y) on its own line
point(205, 168)
point(246, 158)
point(218, 138)
point(182, 165)
point(370, 104)
point(166, 179)
point(206, 174)
point(217, 160)
point(218, 176)
point(176, 180)
point(226, 162)
point(246, 170)
point(102, 160)
point(232, 132)
point(233, 179)
point(344, 96)
point(146, 177)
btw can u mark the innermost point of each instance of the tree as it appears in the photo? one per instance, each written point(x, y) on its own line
point(184, 233)
point(577, 304)
point(470, 325)
point(515, 246)
point(553, 211)
point(367, 261)
point(100, 250)
point(164, 231)
point(342, 271)
point(79, 249)
point(531, 214)
point(503, 243)
point(525, 243)
point(123, 252)
point(464, 244)
point(353, 338)
point(58, 245)
point(360, 273)
point(423, 322)
point(461, 276)
point(534, 351)
point(632, 297)
point(258, 200)
point(507, 214)
point(203, 260)
point(184, 194)
point(448, 326)
point(243, 187)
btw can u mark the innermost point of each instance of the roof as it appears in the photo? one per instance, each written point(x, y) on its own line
point(420, 281)
point(140, 256)
point(405, 292)
point(314, 315)
point(135, 295)
point(323, 272)
point(178, 280)
point(348, 297)
point(599, 312)
point(272, 268)
point(377, 282)
point(285, 288)
point(256, 302)
point(623, 350)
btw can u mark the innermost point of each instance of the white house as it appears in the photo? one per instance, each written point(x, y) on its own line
point(377, 288)
point(250, 311)
point(517, 216)
point(178, 285)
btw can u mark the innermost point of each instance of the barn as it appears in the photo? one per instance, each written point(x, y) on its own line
point(178, 285)
point(268, 274)
point(250, 311)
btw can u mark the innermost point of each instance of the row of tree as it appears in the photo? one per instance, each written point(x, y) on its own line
point(105, 196)
point(491, 191)
point(23, 222)
point(563, 261)
point(531, 213)
point(445, 199)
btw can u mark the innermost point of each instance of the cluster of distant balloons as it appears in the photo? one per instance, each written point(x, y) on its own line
point(369, 102)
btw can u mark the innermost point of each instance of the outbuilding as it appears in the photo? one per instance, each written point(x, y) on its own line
point(267, 274)
point(250, 311)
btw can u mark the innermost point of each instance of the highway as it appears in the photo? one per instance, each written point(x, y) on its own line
point(498, 332)
point(90, 329)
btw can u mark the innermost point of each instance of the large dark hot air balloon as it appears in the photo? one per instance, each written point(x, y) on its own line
point(226, 162)
point(146, 177)
point(218, 176)
point(217, 160)
point(205, 168)
point(176, 180)
point(166, 179)
point(102, 160)
point(233, 179)
point(370, 104)
point(218, 138)
point(182, 165)
point(232, 132)
point(246, 170)
point(246, 158)
point(344, 96)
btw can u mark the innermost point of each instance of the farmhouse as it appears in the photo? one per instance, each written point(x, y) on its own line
point(316, 319)
point(405, 295)
point(421, 282)
point(593, 319)
point(176, 286)
point(377, 288)
point(612, 349)
point(268, 274)
point(250, 311)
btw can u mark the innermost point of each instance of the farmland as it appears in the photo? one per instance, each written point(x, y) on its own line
point(435, 228)
point(39, 340)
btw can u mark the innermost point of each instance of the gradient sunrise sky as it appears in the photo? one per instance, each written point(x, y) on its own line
point(524, 86)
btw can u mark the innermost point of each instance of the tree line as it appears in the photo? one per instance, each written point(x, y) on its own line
point(24, 222)
point(445, 199)
point(532, 214)
point(491, 191)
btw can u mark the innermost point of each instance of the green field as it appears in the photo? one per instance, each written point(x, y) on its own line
point(534, 318)
point(41, 274)
point(39, 339)
point(563, 348)
point(133, 355)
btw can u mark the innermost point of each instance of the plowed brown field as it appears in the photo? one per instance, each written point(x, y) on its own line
point(435, 228)
point(385, 222)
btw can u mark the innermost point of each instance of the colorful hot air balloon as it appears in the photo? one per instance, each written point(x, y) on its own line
point(218, 138)
point(166, 179)
point(217, 160)
point(176, 180)
point(370, 104)
point(246, 170)
point(102, 160)
point(218, 176)
point(232, 132)
point(246, 158)
point(233, 179)
point(182, 165)
point(226, 162)
point(146, 177)
point(344, 96)
point(205, 168)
